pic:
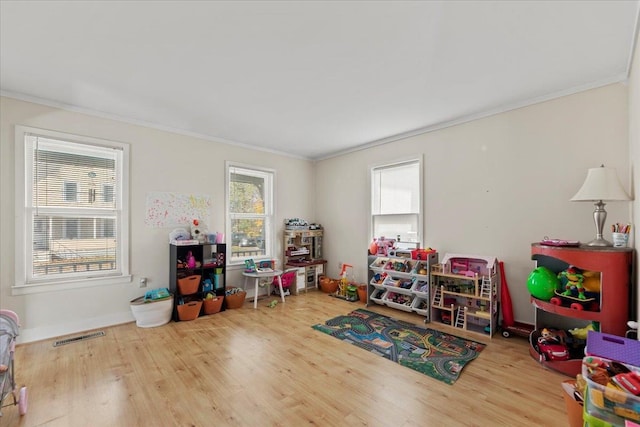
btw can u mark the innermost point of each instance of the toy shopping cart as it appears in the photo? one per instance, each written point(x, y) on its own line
point(9, 324)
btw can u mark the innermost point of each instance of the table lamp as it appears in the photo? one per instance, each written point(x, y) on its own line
point(602, 184)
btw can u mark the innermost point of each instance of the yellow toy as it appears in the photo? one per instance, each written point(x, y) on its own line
point(581, 333)
point(345, 289)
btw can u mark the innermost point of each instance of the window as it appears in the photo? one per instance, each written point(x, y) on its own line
point(70, 235)
point(70, 191)
point(107, 193)
point(396, 203)
point(250, 212)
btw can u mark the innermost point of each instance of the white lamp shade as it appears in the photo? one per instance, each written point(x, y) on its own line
point(601, 184)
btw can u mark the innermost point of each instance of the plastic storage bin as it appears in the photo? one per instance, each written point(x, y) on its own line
point(399, 301)
point(378, 296)
point(608, 402)
point(149, 314)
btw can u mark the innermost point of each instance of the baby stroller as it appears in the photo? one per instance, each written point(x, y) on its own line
point(8, 333)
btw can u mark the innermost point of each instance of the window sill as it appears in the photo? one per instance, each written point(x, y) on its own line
point(50, 286)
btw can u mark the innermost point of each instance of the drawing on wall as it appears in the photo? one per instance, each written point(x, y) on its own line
point(176, 210)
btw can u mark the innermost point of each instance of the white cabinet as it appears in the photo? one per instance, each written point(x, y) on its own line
point(307, 276)
point(401, 283)
point(464, 293)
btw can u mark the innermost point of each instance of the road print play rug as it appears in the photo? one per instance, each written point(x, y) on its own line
point(433, 353)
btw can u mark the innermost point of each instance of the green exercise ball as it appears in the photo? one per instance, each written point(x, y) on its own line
point(542, 283)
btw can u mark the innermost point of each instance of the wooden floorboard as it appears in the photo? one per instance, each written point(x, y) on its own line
point(268, 367)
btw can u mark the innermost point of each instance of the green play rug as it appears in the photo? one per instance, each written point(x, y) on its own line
point(433, 353)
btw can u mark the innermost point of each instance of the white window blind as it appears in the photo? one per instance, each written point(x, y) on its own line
point(396, 201)
point(75, 219)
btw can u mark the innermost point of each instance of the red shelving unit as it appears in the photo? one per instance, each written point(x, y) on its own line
point(614, 266)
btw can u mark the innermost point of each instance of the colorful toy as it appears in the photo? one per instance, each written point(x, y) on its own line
point(581, 333)
point(573, 281)
point(542, 283)
point(591, 281)
point(346, 290)
point(191, 260)
point(198, 231)
point(550, 344)
point(574, 302)
point(383, 245)
point(250, 266)
point(553, 351)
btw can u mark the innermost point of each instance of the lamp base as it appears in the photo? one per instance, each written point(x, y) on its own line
point(600, 242)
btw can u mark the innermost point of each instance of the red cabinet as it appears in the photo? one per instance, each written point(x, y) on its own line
point(614, 266)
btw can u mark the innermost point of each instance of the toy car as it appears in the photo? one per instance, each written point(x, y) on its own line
point(553, 351)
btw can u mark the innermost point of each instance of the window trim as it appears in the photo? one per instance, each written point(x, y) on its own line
point(270, 236)
point(398, 162)
point(24, 225)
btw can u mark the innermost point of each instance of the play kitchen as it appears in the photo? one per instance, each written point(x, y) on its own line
point(303, 252)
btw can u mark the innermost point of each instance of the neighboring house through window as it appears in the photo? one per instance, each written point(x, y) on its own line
point(249, 212)
point(396, 201)
point(70, 235)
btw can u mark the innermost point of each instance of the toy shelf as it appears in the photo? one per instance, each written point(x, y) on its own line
point(594, 316)
point(402, 280)
point(614, 266)
point(210, 265)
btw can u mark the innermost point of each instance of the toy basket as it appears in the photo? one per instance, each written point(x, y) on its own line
point(236, 300)
point(189, 310)
point(212, 306)
point(328, 285)
point(189, 285)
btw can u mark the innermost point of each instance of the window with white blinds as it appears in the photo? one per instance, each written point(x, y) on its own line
point(396, 202)
point(75, 213)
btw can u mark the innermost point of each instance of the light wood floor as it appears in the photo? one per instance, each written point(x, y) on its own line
point(268, 367)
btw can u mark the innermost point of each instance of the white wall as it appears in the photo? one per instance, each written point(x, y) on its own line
point(160, 161)
point(492, 186)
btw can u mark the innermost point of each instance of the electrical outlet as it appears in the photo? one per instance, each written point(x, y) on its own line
point(143, 282)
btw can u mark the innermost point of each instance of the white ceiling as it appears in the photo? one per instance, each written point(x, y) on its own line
point(309, 79)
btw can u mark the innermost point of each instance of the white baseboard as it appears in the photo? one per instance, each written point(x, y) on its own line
point(56, 331)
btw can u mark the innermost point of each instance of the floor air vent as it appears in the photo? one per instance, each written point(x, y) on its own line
point(80, 338)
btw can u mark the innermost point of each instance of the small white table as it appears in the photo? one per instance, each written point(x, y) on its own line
point(257, 275)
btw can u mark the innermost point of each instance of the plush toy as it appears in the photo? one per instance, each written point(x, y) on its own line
point(198, 231)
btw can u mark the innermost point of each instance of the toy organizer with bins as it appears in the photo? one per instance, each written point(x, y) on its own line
point(401, 283)
point(464, 293)
point(197, 270)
